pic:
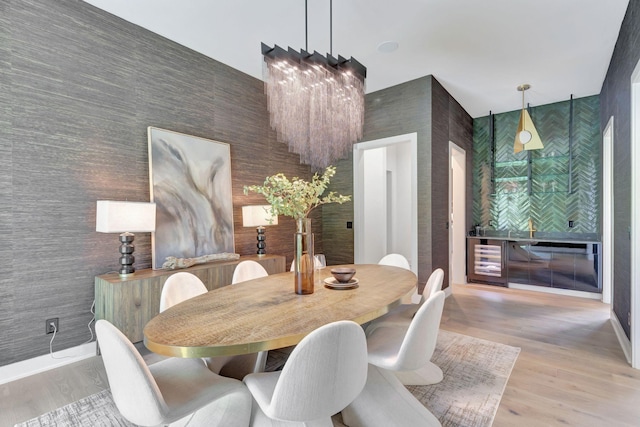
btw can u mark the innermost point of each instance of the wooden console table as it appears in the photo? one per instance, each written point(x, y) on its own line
point(130, 302)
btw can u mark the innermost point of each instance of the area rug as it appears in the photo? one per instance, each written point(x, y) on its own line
point(475, 375)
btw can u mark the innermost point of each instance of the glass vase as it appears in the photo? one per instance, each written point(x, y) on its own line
point(303, 257)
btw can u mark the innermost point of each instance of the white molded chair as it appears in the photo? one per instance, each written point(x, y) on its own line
point(179, 287)
point(183, 285)
point(172, 390)
point(403, 314)
point(317, 263)
point(324, 373)
point(385, 402)
point(248, 270)
point(397, 260)
point(407, 350)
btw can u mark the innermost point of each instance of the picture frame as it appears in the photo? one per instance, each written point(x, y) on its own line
point(190, 182)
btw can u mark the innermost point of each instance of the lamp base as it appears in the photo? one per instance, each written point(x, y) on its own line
point(126, 255)
point(261, 245)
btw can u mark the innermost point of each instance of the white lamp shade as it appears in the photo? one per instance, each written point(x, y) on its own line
point(257, 216)
point(120, 217)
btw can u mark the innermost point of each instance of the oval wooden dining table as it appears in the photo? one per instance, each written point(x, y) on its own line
point(265, 313)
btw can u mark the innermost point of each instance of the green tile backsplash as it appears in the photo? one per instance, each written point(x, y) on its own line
point(538, 184)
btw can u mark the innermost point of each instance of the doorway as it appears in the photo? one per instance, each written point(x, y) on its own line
point(385, 199)
point(457, 214)
point(607, 213)
point(634, 317)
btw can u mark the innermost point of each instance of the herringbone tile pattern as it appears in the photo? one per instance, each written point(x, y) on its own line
point(537, 184)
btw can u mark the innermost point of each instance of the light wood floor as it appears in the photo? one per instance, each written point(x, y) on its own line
point(570, 372)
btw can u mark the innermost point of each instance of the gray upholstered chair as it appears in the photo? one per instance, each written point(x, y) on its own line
point(172, 390)
point(324, 373)
point(183, 285)
point(248, 270)
point(403, 314)
point(406, 350)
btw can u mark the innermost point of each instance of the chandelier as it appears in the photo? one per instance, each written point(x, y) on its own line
point(316, 103)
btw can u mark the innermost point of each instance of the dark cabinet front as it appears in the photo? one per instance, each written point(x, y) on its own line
point(574, 266)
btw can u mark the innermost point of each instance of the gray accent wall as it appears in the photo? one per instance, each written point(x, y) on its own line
point(78, 89)
point(425, 107)
point(615, 100)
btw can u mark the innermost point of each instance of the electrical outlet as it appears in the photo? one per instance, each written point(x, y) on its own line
point(52, 326)
point(571, 224)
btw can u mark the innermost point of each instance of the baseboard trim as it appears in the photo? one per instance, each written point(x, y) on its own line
point(625, 342)
point(557, 291)
point(33, 366)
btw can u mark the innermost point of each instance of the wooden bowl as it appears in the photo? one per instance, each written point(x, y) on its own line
point(343, 274)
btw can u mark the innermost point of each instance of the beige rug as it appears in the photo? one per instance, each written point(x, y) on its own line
point(475, 375)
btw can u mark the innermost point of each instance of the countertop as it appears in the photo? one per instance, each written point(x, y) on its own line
point(523, 236)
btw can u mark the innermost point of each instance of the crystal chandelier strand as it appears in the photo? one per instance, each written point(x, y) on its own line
point(317, 109)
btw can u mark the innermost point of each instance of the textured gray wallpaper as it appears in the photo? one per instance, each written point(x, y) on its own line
point(615, 100)
point(78, 88)
point(425, 107)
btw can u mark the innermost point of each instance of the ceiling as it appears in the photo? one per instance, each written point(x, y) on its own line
point(480, 51)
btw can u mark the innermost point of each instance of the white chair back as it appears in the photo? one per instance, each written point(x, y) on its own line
point(434, 284)
point(325, 372)
point(420, 340)
point(318, 263)
point(248, 270)
point(179, 287)
point(395, 260)
point(133, 387)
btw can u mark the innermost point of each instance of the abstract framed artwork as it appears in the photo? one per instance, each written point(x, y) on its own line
point(190, 180)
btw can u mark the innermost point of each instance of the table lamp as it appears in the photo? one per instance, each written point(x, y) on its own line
point(125, 218)
point(258, 216)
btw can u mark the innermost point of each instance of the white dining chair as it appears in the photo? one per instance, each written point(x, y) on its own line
point(184, 285)
point(385, 402)
point(179, 287)
point(407, 351)
point(398, 260)
point(248, 270)
point(403, 314)
point(395, 260)
point(174, 390)
point(324, 373)
point(319, 262)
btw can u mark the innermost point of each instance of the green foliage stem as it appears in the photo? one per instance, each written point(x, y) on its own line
point(296, 197)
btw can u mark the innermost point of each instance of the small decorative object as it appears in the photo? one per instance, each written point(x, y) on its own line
point(296, 198)
point(173, 263)
point(125, 218)
point(258, 216)
point(343, 274)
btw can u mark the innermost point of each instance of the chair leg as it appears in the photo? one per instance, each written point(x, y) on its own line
point(261, 361)
point(384, 402)
point(427, 375)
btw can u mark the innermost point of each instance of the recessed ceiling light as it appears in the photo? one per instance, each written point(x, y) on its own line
point(387, 47)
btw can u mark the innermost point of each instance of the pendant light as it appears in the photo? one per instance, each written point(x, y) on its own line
point(316, 102)
point(527, 137)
